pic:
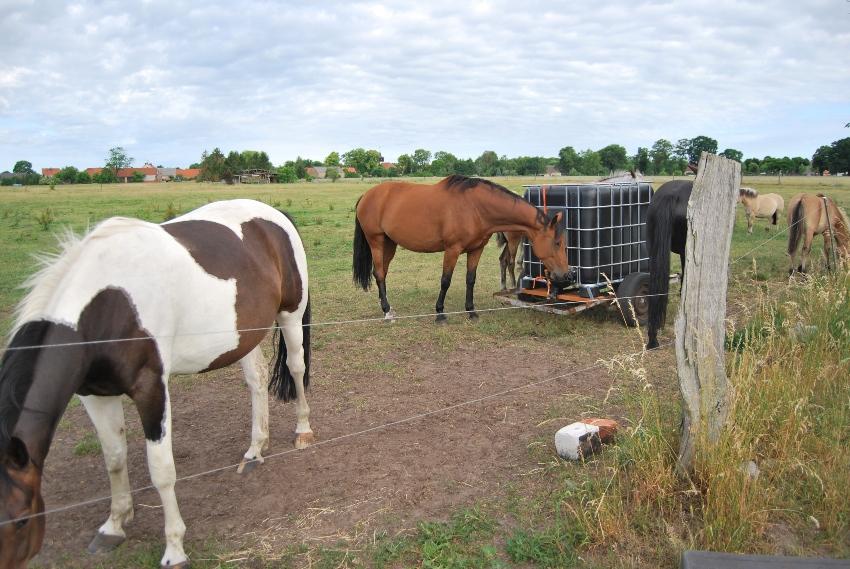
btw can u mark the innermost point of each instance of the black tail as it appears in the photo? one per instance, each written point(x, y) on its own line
point(281, 382)
point(659, 232)
point(362, 265)
point(775, 217)
point(795, 231)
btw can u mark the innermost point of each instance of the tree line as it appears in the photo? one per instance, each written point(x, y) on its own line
point(663, 158)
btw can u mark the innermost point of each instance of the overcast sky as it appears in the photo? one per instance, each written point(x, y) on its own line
point(168, 79)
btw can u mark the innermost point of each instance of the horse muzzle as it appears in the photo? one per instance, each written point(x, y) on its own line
point(563, 280)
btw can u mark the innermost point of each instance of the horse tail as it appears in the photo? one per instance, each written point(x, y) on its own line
point(796, 227)
point(282, 383)
point(362, 265)
point(659, 238)
point(501, 240)
point(775, 216)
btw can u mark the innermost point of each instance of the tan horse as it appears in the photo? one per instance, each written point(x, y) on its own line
point(456, 215)
point(767, 206)
point(810, 215)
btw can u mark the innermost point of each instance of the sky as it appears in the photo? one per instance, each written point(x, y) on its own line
point(169, 79)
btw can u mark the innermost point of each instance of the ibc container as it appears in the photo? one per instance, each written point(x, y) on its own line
point(605, 230)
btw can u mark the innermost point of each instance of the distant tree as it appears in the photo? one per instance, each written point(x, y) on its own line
point(660, 153)
point(698, 145)
point(83, 177)
point(752, 166)
point(591, 164)
point(137, 177)
point(840, 156)
point(465, 167)
point(67, 175)
point(568, 159)
point(822, 159)
point(613, 157)
point(105, 176)
point(732, 154)
point(118, 158)
point(444, 163)
point(487, 164)
point(421, 159)
point(23, 167)
point(287, 175)
point(405, 164)
point(194, 165)
point(529, 165)
point(364, 161)
point(681, 148)
point(641, 160)
point(333, 173)
point(332, 159)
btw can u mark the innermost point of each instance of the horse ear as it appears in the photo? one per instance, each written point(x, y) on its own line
point(17, 454)
point(556, 219)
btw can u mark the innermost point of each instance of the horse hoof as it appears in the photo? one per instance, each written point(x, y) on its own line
point(104, 543)
point(473, 315)
point(389, 316)
point(652, 344)
point(303, 440)
point(441, 319)
point(183, 565)
point(248, 464)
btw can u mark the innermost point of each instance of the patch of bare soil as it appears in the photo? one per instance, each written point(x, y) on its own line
point(387, 479)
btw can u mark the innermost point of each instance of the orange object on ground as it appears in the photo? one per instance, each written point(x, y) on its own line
point(607, 428)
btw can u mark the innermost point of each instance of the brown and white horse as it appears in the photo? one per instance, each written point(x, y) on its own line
point(456, 215)
point(810, 215)
point(765, 206)
point(118, 312)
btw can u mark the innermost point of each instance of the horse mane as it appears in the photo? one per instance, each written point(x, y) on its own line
point(50, 268)
point(749, 192)
point(463, 183)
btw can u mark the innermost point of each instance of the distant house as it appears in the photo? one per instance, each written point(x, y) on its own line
point(552, 171)
point(188, 173)
point(349, 170)
point(321, 172)
point(49, 172)
point(388, 165)
point(6, 175)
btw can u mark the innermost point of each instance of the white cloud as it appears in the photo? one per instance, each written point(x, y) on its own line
point(519, 78)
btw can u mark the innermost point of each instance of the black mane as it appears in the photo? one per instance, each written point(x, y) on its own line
point(17, 371)
point(462, 183)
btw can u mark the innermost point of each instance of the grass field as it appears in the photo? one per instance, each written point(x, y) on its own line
point(558, 517)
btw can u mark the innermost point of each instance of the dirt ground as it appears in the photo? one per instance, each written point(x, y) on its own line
point(385, 480)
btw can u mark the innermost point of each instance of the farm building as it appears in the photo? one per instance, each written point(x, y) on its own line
point(321, 172)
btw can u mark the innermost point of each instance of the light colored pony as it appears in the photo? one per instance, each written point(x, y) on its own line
point(766, 206)
point(810, 215)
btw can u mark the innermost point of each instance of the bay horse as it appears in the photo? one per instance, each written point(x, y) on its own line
point(810, 215)
point(666, 232)
point(456, 215)
point(765, 206)
point(116, 313)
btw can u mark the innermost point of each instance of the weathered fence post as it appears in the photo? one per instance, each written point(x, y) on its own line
point(700, 322)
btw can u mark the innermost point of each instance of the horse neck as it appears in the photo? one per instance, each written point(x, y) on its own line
point(43, 380)
point(504, 213)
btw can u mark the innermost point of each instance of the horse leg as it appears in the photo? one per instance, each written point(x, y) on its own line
point(512, 249)
point(807, 248)
point(107, 415)
point(449, 262)
point(827, 249)
point(383, 250)
point(154, 407)
point(293, 336)
point(257, 377)
point(750, 219)
point(472, 259)
point(504, 261)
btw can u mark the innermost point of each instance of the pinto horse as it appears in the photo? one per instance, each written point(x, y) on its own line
point(456, 215)
point(116, 313)
point(765, 206)
point(666, 232)
point(810, 215)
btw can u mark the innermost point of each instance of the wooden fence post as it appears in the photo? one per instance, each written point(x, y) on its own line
point(700, 322)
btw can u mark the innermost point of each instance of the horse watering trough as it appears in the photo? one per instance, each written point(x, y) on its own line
point(605, 229)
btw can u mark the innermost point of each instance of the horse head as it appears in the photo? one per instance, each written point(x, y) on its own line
point(21, 526)
point(548, 243)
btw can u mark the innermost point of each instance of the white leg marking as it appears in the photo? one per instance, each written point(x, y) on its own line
point(293, 335)
point(107, 415)
point(163, 477)
point(257, 377)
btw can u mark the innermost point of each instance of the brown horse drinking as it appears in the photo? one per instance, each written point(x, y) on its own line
point(810, 215)
point(456, 215)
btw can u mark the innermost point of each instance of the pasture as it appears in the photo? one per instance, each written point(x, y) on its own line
point(474, 486)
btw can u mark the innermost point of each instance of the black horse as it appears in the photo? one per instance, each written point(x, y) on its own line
point(666, 232)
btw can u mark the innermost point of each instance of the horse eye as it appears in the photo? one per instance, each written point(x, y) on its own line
point(21, 523)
